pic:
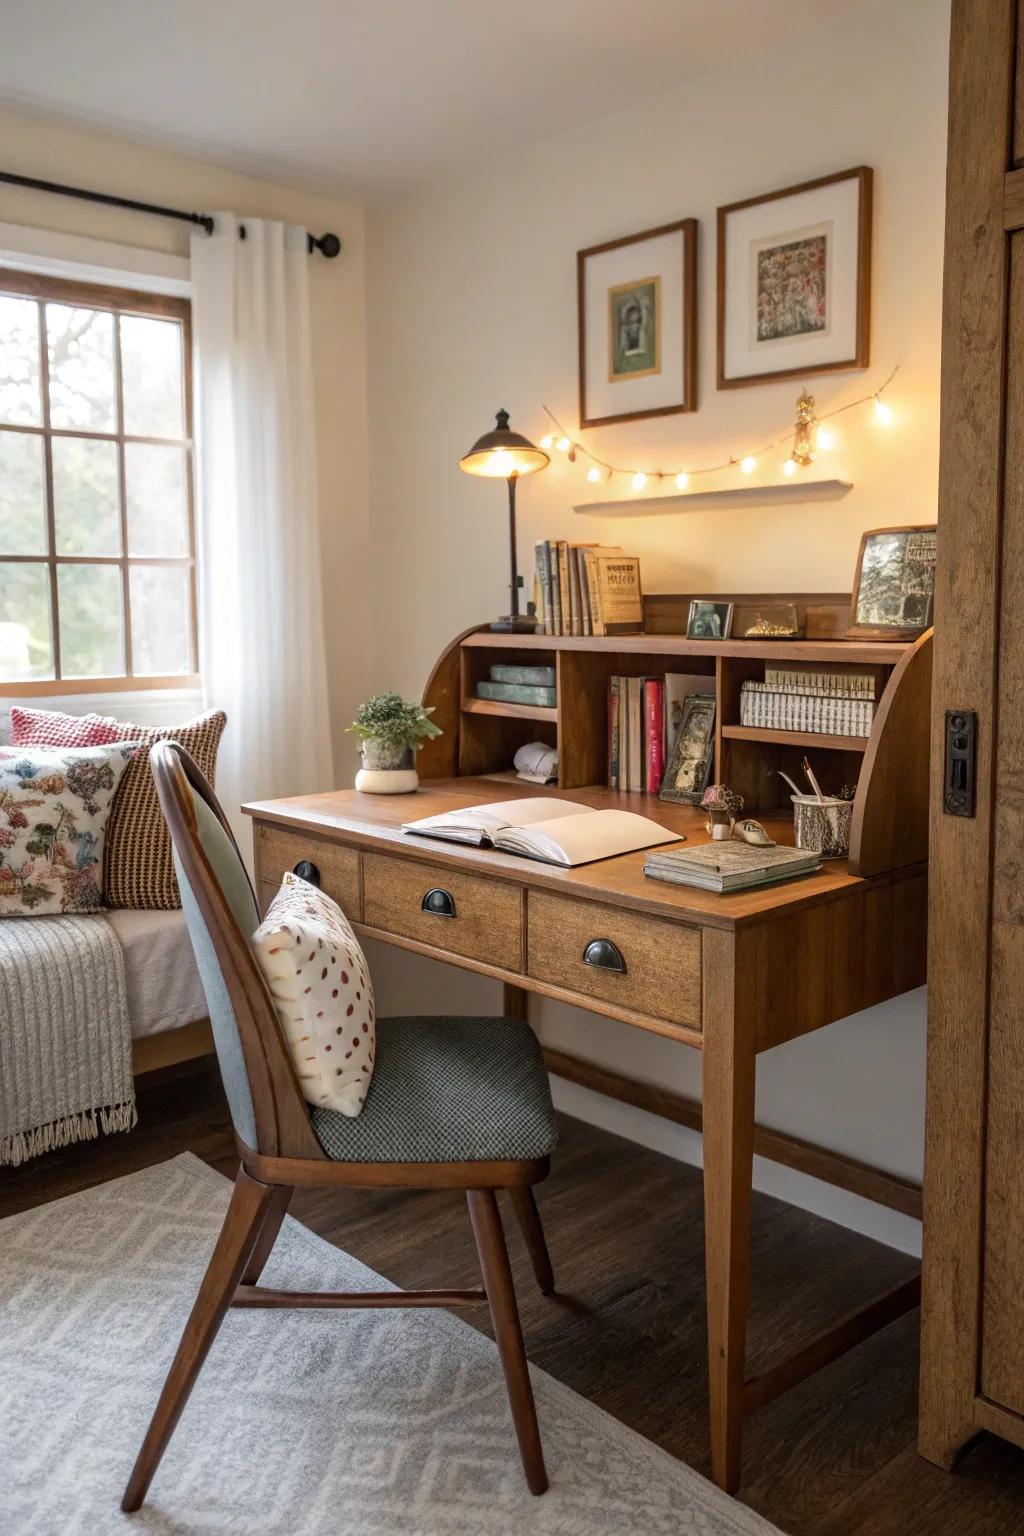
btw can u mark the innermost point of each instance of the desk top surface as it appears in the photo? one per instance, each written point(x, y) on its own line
point(375, 822)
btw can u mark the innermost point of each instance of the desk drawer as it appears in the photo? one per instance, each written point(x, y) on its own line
point(662, 960)
point(485, 921)
point(279, 848)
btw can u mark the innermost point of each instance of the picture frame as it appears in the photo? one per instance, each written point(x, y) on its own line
point(691, 759)
point(637, 318)
point(709, 620)
point(794, 281)
point(894, 585)
point(766, 621)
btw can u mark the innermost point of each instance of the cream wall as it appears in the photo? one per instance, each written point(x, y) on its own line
point(54, 151)
point(472, 306)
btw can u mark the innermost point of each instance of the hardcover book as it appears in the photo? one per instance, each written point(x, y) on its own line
point(730, 866)
point(616, 580)
point(553, 831)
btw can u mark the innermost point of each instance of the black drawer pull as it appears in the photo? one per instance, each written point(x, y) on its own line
point(604, 954)
point(439, 903)
point(307, 870)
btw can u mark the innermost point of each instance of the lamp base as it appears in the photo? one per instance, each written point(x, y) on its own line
point(519, 624)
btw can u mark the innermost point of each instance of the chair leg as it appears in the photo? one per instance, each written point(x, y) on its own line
point(277, 1210)
point(245, 1216)
point(528, 1216)
point(494, 1265)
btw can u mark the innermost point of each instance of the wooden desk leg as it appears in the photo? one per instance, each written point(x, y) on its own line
point(728, 1074)
point(515, 1002)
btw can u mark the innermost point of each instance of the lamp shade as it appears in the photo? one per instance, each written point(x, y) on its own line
point(503, 455)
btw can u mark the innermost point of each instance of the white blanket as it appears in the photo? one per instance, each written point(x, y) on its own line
point(65, 1043)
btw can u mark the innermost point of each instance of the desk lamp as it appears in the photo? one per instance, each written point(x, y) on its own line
point(505, 455)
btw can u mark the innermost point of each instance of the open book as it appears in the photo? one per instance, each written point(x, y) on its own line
point(555, 831)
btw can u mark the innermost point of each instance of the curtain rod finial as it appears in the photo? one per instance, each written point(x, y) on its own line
point(328, 245)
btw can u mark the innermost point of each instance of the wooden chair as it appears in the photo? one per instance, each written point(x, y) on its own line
point(476, 1089)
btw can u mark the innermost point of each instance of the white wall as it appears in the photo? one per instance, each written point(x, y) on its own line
point(472, 306)
point(35, 146)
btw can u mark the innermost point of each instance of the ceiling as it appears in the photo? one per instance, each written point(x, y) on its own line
point(369, 98)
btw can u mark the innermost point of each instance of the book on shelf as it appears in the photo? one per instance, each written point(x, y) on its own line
point(731, 866)
point(792, 677)
point(614, 733)
point(517, 693)
point(536, 677)
point(553, 831)
point(644, 716)
point(654, 732)
point(588, 589)
point(823, 714)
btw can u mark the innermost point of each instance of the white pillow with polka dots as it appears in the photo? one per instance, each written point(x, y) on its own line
point(321, 987)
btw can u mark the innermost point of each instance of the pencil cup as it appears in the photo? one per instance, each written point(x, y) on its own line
point(823, 826)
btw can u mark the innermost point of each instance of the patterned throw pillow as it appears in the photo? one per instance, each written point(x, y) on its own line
point(138, 870)
point(321, 987)
point(54, 805)
point(49, 728)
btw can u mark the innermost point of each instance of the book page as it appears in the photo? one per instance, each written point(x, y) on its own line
point(572, 840)
point(494, 816)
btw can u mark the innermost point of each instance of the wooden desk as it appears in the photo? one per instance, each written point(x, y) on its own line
point(730, 976)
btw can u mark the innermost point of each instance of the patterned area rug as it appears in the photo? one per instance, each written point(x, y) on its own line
point(302, 1423)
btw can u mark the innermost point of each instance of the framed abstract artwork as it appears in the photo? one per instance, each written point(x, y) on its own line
point(794, 281)
point(637, 301)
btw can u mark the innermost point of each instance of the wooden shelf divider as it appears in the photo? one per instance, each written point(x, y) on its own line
point(507, 711)
point(808, 740)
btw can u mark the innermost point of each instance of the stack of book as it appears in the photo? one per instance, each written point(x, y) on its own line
point(795, 698)
point(588, 589)
point(732, 866)
point(519, 685)
point(644, 717)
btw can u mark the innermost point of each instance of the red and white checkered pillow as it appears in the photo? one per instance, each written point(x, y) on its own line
point(49, 728)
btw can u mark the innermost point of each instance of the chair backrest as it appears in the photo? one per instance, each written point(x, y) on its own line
point(267, 1108)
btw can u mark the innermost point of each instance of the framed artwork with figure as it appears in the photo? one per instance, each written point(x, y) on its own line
point(637, 302)
point(794, 281)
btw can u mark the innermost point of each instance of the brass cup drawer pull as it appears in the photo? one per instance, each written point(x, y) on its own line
point(307, 870)
point(606, 955)
point(439, 903)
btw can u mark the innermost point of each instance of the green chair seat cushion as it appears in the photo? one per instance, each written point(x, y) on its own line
point(447, 1090)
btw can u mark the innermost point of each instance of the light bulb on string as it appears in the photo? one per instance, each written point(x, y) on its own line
point(825, 440)
point(883, 412)
point(639, 480)
point(547, 441)
point(748, 464)
point(789, 468)
point(563, 445)
point(593, 474)
point(682, 480)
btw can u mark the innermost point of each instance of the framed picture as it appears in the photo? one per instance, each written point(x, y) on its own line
point(765, 621)
point(693, 752)
point(709, 620)
point(637, 309)
point(794, 281)
point(894, 587)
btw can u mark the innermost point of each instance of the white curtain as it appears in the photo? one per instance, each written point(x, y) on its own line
point(261, 637)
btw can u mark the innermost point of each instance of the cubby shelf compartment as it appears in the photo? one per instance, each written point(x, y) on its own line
point(508, 711)
point(810, 740)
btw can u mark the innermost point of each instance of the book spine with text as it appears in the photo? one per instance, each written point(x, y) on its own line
point(563, 586)
point(614, 709)
point(593, 593)
point(654, 732)
point(635, 749)
point(575, 623)
point(556, 587)
point(544, 576)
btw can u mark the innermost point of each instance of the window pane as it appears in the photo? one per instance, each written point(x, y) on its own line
point(22, 496)
point(161, 619)
point(20, 399)
point(80, 344)
point(86, 504)
point(91, 635)
point(151, 377)
point(157, 510)
point(26, 652)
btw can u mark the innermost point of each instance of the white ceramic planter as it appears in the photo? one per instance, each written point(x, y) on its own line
point(387, 771)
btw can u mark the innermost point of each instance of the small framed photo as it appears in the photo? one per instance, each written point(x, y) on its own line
point(709, 620)
point(894, 587)
point(794, 281)
point(693, 752)
point(765, 621)
point(637, 300)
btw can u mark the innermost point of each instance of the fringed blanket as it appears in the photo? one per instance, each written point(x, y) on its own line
point(65, 1044)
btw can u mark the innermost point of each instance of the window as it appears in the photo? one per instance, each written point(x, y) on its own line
point(97, 559)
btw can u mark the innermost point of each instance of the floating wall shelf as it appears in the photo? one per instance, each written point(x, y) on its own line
point(793, 491)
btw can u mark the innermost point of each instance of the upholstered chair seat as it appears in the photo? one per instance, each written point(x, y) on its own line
point(447, 1090)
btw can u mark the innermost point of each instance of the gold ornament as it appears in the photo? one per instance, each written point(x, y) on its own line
point(803, 448)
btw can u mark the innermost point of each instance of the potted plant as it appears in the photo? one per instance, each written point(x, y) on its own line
point(391, 730)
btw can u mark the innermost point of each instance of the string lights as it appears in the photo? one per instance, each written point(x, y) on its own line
point(807, 438)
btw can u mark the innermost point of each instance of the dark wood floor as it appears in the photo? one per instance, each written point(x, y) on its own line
point(834, 1457)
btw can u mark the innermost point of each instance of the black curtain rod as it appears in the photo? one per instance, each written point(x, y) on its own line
point(328, 245)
